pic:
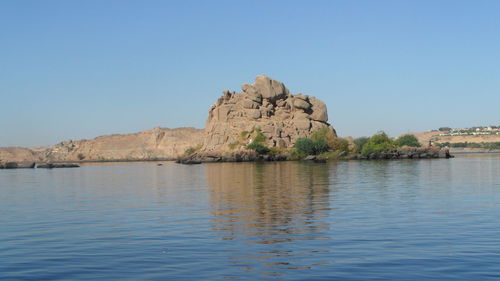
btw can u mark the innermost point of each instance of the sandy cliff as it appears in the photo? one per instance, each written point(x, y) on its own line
point(158, 143)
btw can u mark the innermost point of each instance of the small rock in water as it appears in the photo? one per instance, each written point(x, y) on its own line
point(59, 165)
point(26, 165)
point(10, 165)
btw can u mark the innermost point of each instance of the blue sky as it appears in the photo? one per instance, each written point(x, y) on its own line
point(80, 69)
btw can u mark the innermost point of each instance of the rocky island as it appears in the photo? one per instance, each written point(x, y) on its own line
point(264, 121)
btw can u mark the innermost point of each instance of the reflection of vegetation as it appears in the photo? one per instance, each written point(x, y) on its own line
point(407, 140)
point(379, 142)
point(483, 145)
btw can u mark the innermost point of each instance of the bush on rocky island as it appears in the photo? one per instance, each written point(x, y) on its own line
point(307, 146)
point(333, 142)
point(407, 140)
point(359, 143)
point(379, 142)
point(259, 148)
point(258, 141)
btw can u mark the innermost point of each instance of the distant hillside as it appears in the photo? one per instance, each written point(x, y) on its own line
point(158, 143)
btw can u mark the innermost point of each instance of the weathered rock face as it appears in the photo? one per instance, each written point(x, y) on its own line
point(268, 105)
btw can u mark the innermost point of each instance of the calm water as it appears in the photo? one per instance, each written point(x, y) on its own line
point(371, 220)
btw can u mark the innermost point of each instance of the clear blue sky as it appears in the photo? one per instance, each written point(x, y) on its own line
point(79, 69)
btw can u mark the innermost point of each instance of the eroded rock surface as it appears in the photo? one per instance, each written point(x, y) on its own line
point(267, 105)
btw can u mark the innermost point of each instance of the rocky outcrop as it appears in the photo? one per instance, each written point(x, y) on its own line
point(18, 154)
point(268, 106)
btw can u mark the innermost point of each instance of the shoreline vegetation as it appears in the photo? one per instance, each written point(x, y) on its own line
point(321, 146)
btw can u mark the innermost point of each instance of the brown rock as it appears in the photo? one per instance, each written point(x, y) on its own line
point(269, 88)
point(301, 104)
point(249, 104)
point(254, 113)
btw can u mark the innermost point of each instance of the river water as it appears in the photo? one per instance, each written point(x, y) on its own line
point(350, 220)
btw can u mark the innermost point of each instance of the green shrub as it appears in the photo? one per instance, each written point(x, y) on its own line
point(244, 134)
point(333, 142)
point(258, 147)
point(259, 136)
point(340, 145)
point(306, 146)
point(408, 140)
point(192, 150)
point(359, 143)
point(377, 143)
point(324, 134)
point(233, 145)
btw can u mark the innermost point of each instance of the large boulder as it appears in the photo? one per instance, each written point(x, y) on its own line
point(270, 89)
point(319, 112)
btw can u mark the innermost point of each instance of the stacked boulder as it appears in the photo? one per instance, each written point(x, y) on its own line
point(266, 105)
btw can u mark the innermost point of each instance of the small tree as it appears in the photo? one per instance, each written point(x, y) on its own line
point(324, 134)
point(408, 140)
point(359, 143)
point(340, 145)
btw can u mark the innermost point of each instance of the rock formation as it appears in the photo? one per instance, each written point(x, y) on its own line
point(266, 105)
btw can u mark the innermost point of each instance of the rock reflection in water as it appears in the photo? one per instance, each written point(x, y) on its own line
point(272, 206)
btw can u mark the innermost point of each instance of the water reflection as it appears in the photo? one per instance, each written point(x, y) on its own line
point(271, 204)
